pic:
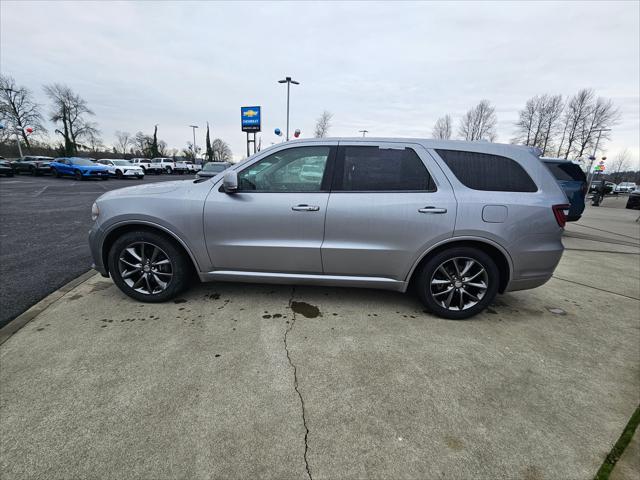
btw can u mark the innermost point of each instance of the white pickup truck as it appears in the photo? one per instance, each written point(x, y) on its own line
point(147, 166)
point(169, 166)
point(193, 167)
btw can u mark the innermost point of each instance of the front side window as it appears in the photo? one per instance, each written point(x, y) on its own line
point(488, 172)
point(371, 169)
point(299, 169)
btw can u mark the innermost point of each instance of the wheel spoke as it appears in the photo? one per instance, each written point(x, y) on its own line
point(436, 281)
point(138, 282)
point(164, 273)
point(161, 262)
point(449, 298)
point(443, 292)
point(477, 285)
point(461, 300)
point(146, 279)
point(162, 284)
point(131, 251)
point(154, 254)
point(467, 267)
point(472, 297)
point(455, 264)
point(127, 274)
point(134, 265)
point(444, 270)
point(475, 275)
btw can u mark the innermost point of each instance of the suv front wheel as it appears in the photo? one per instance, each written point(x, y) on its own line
point(169, 170)
point(148, 266)
point(458, 283)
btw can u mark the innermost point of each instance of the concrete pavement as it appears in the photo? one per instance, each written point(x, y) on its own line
point(238, 381)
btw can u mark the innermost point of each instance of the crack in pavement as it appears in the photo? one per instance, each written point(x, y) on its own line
point(295, 384)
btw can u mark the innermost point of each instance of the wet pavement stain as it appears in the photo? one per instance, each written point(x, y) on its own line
point(100, 286)
point(266, 316)
point(491, 311)
point(454, 443)
point(179, 300)
point(75, 297)
point(306, 309)
point(214, 296)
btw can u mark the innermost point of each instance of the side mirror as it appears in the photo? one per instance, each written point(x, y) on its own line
point(230, 182)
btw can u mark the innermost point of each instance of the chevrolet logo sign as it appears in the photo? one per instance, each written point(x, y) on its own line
point(249, 113)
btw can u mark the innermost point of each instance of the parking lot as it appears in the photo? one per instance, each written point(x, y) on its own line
point(44, 234)
point(246, 381)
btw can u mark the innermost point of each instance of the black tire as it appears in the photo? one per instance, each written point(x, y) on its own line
point(428, 271)
point(139, 177)
point(77, 175)
point(119, 175)
point(55, 173)
point(16, 171)
point(10, 174)
point(180, 265)
point(169, 170)
point(105, 178)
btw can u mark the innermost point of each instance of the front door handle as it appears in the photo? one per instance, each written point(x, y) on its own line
point(305, 208)
point(432, 210)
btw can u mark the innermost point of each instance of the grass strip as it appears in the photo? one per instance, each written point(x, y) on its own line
point(618, 449)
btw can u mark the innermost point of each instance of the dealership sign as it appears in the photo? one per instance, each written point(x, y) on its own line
point(250, 119)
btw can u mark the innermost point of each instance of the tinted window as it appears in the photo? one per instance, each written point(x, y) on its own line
point(566, 171)
point(215, 167)
point(370, 169)
point(298, 169)
point(483, 171)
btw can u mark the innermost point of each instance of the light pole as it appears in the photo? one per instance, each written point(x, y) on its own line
point(593, 159)
point(288, 81)
point(363, 132)
point(195, 150)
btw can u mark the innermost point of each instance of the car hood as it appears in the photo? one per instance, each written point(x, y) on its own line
point(148, 189)
point(90, 167)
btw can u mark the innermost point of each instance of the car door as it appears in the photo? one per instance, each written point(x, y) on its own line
point(275, 221)
point(65, 167)
point(389, 203)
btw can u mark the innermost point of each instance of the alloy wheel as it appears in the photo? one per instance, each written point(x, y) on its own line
point(459, 283)
point(145, 267)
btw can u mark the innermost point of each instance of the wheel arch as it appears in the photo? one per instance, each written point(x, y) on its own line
point(120, 229)
point(493, 249)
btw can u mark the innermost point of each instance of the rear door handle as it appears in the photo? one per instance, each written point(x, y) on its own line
point(432, 210)
point(305, 208)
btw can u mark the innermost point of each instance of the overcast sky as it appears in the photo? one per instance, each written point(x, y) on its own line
point(392, 68)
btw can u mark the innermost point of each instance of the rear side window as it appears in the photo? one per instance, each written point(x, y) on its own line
point(371, 169)
point(566, 171)
point(483, 171)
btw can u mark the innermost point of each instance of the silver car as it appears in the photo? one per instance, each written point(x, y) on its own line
point(459, 221)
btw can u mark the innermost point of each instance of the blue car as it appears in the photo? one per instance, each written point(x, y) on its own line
point(573, 182)
point(80, 168)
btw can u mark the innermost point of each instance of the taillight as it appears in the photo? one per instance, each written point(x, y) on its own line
point(561, 212)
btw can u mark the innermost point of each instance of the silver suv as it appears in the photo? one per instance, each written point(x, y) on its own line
point(459, 221)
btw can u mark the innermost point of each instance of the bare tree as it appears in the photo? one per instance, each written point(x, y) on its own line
point(18, 110)
point(619, 164)
point(323, 124)
point(479, 123)
point(584, 118)
point(123, 140)
point(442, 128)
point(538, 121)
point(221, 151)
point(141, 145)
point(70, 112)
point(575, 114)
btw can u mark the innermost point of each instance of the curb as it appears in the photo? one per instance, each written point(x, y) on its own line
point(21, 320)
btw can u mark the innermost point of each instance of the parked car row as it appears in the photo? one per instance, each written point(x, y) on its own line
point(88, 167)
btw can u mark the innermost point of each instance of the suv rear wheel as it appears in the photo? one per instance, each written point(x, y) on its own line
point(169, 170)
point(148, 266)
point(458, 283)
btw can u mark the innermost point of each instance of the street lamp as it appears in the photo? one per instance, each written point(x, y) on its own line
point(288, 81)
point(195, 150)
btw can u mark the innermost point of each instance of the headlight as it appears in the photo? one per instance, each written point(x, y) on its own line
point(95, 211)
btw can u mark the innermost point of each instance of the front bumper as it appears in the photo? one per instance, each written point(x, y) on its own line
point(95, 243)
point(95, 174)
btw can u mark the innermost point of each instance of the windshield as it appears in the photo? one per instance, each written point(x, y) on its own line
point(82, 161)
point(214, 167)
point(124, 163)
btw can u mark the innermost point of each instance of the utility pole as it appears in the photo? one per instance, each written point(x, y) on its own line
point(195, 150)
point(288, 81)
point(592, 158)
point(363, 132)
